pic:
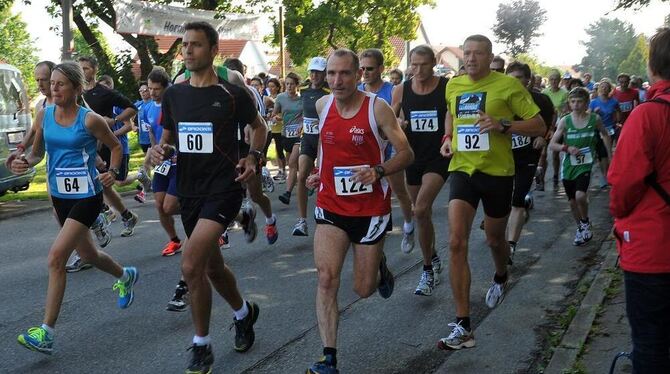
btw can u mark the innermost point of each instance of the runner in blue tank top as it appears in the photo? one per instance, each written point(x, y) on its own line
point(69, 134)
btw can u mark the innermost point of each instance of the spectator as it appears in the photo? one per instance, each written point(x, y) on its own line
point(639, 173)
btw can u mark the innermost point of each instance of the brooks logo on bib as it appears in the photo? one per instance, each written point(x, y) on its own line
point(344, 186)
point(584, 157)
point(423, 121)
point(310, 126)
point(72, 181)
point(470, 140)
point(196, 137)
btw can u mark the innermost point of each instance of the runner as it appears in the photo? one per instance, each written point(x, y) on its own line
point(482, 105)
point(353, 206)
point(310, 135)
point(628, 99)
point(276, 128)
point(396, 76)
point(579, 133)
point(608, 109)
point(421, 102)
point(289, 105)
point(143, 139)
point(559, 97)
point(76, 193)
point(372, 63)
point(526, 152)
point(201, 116)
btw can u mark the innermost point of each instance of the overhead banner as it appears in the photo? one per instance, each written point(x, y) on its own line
point(144, 18)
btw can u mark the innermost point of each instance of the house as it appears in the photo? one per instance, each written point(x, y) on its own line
point(402, 47)
point(448, 58)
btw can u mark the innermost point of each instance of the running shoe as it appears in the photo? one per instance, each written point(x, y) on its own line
point(110, 216)
point(129, 225)
point(579, 240)
point(280, 177)
point(426, 284)
point(268, 182)
point(300, 228)
point(271, 233)
point(437, 267)
point(249, 223)
point(76, 265)
point(585, 228)
point(528, 201)
point(144, 179)
point(126, 293)
point(202, 359)
point(495, 294)
point(179, 301)
point(37, 339)
point(458, 339)
point(285, 197)
point(386, 281)
point(139, 197)
point(102, 234)
point(323, 366)
point(224, 241)
point(171, 248)
point(244, 329)
point(407, 243)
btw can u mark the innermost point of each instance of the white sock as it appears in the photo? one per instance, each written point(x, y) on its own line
point(271, 220)
point(125, 277)
point(243, 312)
point(408, 227)
point(201, 340)
point(50, 330)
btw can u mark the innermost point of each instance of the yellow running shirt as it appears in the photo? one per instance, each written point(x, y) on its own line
point(501, 97)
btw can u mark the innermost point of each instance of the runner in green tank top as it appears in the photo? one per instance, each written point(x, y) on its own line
point(578, 131)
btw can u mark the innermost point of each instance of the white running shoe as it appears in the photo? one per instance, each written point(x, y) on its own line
point(495, 294)
point(459, 338)
point(407, 243)
point(426, 284)
point(585, 228)
point(579, 239)
point(300, 228)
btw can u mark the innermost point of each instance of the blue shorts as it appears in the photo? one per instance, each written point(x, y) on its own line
point(167, 184)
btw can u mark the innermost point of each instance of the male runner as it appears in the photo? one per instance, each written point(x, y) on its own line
point(353, 205)
point(201, 117)
point(372, 63)
point(396, 76)
point(482, 105)
point(559, 97)
point(421, 102)
point(628, 99)
point(310, 135)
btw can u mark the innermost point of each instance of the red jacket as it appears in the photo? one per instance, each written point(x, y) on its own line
point(641, 216)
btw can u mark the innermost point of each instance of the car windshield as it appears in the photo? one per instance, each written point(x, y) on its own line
point(12, 93)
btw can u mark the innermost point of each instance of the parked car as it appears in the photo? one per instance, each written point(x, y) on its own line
point(15, 121)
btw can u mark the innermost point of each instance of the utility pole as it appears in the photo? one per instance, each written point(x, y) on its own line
point(67, 30)
point(282, 62)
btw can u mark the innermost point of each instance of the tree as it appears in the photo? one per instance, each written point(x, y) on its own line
point(536, 67)
point(16, 47)
point(610, 42)
point(517, 25)
point(636, 62)
point(637, 4)
point(312, 30)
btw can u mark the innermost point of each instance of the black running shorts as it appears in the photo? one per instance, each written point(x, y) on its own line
point(309, 144)
point(84, 211)
point(221, 208)
point(495, 192)
point(581, 183)
point(360, 230)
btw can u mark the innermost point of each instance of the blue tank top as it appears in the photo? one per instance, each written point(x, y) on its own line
point(154, 117)
point(385, 92)
point(143, 134)
point(123, 139)
point(71, 150)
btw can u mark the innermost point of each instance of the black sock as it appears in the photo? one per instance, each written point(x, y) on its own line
point(182, 283)
point(500, 279)
point(512, 243)
point(584, 220)
point(330, 355)
point(464, 322)
point(126, 214)
point(435, 256)
point(105, 207)
point(428, 268)
point(176, 239)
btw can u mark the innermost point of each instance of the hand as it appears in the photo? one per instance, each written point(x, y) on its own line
point(445, 149)
point(11, 157)
point(313, 181)
point(574, 151)
point(99, 163)
point(539, 142)
point(488, 123)
point(402, 123)
point(107, 179)
point(247, 169)
point(365, 175)
point(19, 165)
point(159, 153)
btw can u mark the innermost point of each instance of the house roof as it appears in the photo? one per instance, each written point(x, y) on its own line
point(398, 47)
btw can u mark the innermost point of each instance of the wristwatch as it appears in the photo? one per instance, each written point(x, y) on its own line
point(257, 154)
point(380, 171)
point(114, 171)
point(506, 124)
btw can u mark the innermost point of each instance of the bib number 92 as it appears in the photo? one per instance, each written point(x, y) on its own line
point(470, 140)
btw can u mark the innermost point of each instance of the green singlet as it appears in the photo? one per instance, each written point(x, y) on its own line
point(583, 138)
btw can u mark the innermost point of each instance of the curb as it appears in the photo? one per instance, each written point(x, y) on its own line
point(566, 353)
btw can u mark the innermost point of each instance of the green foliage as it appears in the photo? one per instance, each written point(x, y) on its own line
point(610, 42)
point(16, 47)
point(517, 25)
point(312, 30)
point(536, 67)
point(82, 48)
point(636, 62)
point(637, 4)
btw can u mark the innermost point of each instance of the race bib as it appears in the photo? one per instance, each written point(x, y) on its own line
point(520, 141)
point(145, 126)
point(423, 121)
point(163, 168)
point(72, 181)
point(292, 131)
point(470, 140)
point(583, 158)
point(626, 106)
point(344, 186)
point(196, 137)
point(310, 126)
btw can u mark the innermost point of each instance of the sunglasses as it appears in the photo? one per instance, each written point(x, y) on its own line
point(368, 68)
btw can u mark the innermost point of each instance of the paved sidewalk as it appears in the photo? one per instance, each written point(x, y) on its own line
point(17, 208)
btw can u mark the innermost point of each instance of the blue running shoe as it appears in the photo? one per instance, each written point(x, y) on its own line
point(323, 366)
point(37, 339)
point(126, 293)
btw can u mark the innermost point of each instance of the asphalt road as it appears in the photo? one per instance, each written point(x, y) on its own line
point(397, 335)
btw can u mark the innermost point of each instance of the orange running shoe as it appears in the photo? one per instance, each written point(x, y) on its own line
point(171, 248)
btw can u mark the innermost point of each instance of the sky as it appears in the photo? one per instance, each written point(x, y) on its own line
point(447, 24)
